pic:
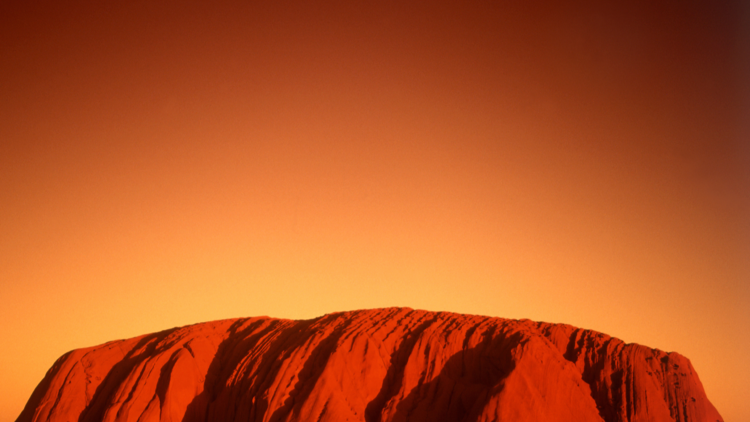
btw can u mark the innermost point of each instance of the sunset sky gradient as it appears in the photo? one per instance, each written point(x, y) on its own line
point(171, 162)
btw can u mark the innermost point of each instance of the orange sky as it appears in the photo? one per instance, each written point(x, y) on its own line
point(166, 164)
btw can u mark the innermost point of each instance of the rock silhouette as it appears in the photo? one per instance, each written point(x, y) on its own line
point(381, 365)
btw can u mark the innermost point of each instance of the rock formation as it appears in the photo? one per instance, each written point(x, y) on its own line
point(377, 365)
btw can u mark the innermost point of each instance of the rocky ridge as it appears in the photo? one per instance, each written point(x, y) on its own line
point(380, 365)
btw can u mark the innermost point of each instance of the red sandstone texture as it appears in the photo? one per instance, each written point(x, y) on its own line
point(379, 365)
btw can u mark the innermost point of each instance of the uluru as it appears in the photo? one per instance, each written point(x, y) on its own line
point(379, 365)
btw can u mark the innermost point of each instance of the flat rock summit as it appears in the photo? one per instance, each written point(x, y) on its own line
point(380, 365)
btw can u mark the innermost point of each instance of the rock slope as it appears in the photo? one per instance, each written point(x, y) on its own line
point(379, 365)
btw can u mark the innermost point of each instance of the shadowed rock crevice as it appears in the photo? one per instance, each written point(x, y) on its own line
point(103, 397)
point(394, 377)
point(238, 341)
point(311, 371)
point(463, 385)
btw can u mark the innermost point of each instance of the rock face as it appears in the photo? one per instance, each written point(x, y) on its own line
point(377, 365)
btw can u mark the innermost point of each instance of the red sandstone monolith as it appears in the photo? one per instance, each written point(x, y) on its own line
point(382, 365)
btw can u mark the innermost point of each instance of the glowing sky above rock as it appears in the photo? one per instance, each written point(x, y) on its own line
point(166, 164)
